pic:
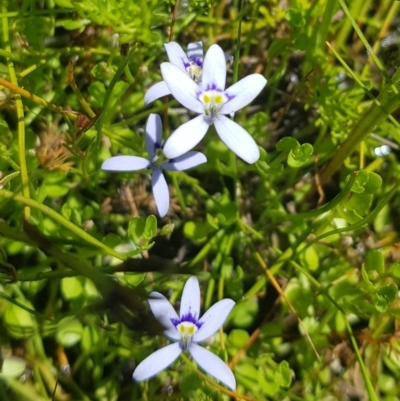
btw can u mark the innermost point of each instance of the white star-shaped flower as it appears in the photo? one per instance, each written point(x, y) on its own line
point(157, 162)
point(190, 64)
point(212, 101)
point(187, 329)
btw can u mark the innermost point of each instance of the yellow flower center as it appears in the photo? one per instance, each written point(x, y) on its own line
point(212, 101)
point(194, 71)
point(186, 330)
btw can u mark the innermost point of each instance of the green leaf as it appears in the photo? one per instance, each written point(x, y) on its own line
point(196, 231)
point(374, 261)
point(294, 18)
point(229, 211)
point(19, 322)
point(64, 3)
point(380, 303)
point(389, 292)
point(212, 221)
point(69, 332)
point(71, 288)
point(268, 380)
point(360, 181)
point(373, 184)
point(76, 218)
point(286, 374)
point(354, 208)
point(134, 279)
point(13, 366)
point(311, 258)
point(97, 92)
point(247, 370)
point(244, 313)
point(150, 229)
point(103, 71)
point(365, 276)
point(227, 268)
point(298, 156)
point(66, 211)
point(167, 229)
point(136, 229)
point(112, 240)
point(71, 25)
point(395, 269)
point(286, 144)
point(366, 182)
point(238, 338)
point(277, 47)
point(263, 167)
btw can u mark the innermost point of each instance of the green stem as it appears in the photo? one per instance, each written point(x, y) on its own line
point(179, 194)
point(26, 391)
point(107, 96)
point(20, 113)
point(359, 224)
point(36, 99)
point(325, 24)
point(237, 52)
point(61, 220)
point(145, 113)
point(388, 102)
point(364, 372)
point(361, 84)
point(370, 389)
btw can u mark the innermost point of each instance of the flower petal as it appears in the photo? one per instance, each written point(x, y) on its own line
point(195, 50)
point(213, 365)
point(190, 301)
point(213, 319)
point(214, 69)
point(158, 90)
point(125, 163)
point(184, 162)
point(156, 362)
point(176, 55)
point(237, 139)
point(185, 137)
point(153, 134)
point(163, 311)
point(182, 87)
point(160, 191)
point(242, 93)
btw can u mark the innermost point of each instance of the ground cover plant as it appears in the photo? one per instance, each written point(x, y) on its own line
point(199, 200)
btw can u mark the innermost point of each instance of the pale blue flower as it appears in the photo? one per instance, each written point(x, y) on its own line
point(212, 102)
point(156, 163)
point(190, 64)
point(187, 329)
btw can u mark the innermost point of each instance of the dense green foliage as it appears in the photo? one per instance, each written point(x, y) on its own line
point(305, 241)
